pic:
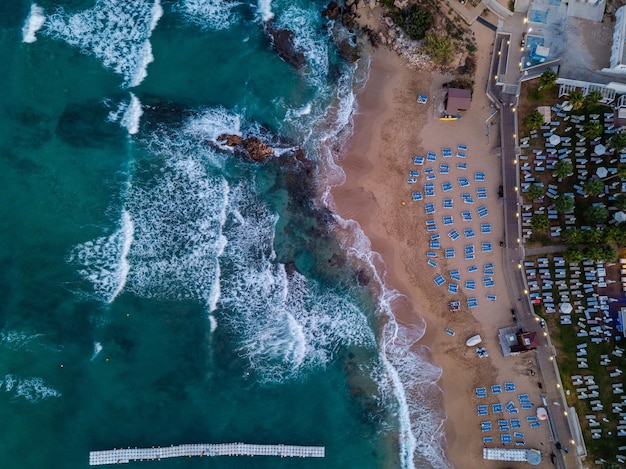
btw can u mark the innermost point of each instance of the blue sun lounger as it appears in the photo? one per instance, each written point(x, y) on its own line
point(504, 428)
point(450, 332)
point(486, 247)
point(482, 211)
point(479, 177)
point(444, 168)
point(472, 302)
point(535, 425)
point(430, 156)
point(469, 233)
point(453, 288)
point(472, 268)
point(481, 392)
point(439, 280)
point(432, 263)
point(467, 198)
point(505, 438)
point(430, 208)
point(455, 275)
point(422, 99)
point(515, 423)
point(496, 389)
point(509, 387)
point(518, 435)
point(446, 186)
point(462, 147)
point(461, 165)
point(485, 228)
point(448, 203)
point(449, 253)
point(470, 285)
point(531, 419)
point(435, 244)
point(411, 180)
point(487, 439)
point(417, 196)
point(463, 182)
point(418, 160)
point(467, 216)
point(481, 193)
point(454, 235)
point(492, 297)
point(431, 228)
point(414, 173)
point(460, 154)
point(435, 237)
point(527, 406)
point(431, 254)
point(448, 220)
point(446, 152)
point(496, 408)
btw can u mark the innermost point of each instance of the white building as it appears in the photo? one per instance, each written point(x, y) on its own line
point(618, 60)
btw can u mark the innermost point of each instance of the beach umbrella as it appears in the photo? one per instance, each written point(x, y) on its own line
point(620, 217)
point(602, 172)
point(554, 139)
point(600, 149)
point(565, 308)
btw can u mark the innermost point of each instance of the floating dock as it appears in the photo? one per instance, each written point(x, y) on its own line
point(124, 456)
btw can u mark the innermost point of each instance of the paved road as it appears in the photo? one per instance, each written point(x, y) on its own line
point(514, 254)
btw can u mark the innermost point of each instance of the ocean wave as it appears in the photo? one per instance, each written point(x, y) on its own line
point(116, 32)
point(17, 340)
point(31, 389)
point(210, 14)
point(286, 323)
point(34, 22)
point(128, 114)
point(264, 8)
point(104, 260)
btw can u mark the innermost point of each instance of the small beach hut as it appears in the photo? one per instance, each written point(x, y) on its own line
point(474, 340)
point(554, 139)
point(599, 149)
point(565, 308)
point(620, 217)
point(602, 172)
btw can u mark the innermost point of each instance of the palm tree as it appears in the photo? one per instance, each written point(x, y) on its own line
point(576, 99)
point(563, 168)
point(618, 141)
point(592, 99)
point(596, 214)
point(594, 186)
point(573, 255)
point(609, 254)
point(539, 223)
point(564, 203)
point(593, 236)
point(536, 191)
point(573, 236)
point(534, 120)
point(547, 79)
point(592, 129)
point(594, 252)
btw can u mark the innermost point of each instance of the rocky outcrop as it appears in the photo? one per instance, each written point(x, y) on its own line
point(256, 149)
point(283, 44)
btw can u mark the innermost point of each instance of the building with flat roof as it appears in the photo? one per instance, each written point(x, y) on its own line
point(458, 100)
point(618, 60)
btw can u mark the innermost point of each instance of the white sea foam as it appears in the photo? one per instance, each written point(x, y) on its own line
point(287, 323)
point(116, 32)
point(31, 389)
point(128, 114)
point(34, 22)
point(210, 14)
point(105, 260)
point(97, 348)
point(264, 8)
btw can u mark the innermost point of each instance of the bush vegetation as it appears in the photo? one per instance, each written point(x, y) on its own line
point(415, 21)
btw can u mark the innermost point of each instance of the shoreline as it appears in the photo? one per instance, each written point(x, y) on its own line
point(389, 129)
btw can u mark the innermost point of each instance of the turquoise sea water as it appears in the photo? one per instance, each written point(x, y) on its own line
point(158, 289)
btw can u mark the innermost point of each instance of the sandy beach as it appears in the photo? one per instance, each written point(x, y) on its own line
point(390, 129)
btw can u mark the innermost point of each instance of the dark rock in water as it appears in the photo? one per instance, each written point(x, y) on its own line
point(157, 112)
point(332, 11)
point(256, 149)
point(283, 43)
point(363, 278)
point(85, 124)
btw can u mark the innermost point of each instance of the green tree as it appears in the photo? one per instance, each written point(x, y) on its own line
point(609, 254)
point(564, 203)
point(594, 252)
point(414, 21)
point(536, 191)
point(596, 214)
point(439, 48)
point(620, 202)
point(593, 236)
point(573, 236)
point(576, 99)
point(573, 255)
point(547, 79)
point(563, 168)
point(534, 120)
point(592, 129)
point(594, 186)
point(618, 141)
point(619, 235)
point(592, 100)
point(539, 223)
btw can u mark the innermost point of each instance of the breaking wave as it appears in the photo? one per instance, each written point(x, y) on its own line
point(128, 114)
point(116, 32)
point(210, 14)
point(34, 22)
